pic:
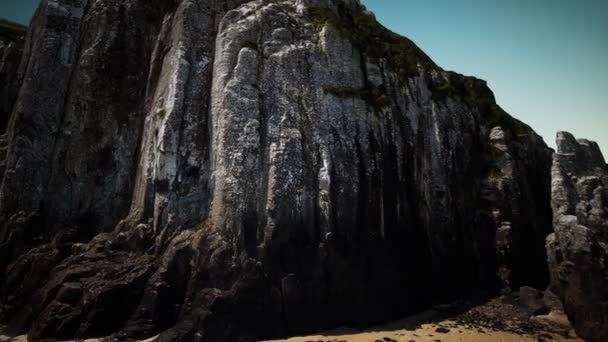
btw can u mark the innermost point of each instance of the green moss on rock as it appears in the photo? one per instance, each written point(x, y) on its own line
point(342, 91)
point(476, 94)
point(376, 42)
point(375, 99)
point(373, 40)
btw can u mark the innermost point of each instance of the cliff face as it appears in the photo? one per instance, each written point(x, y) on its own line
point(578, 250)
point(237, 170)
point(11, 46)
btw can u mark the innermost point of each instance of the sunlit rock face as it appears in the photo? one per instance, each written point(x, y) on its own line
point(238, 170)
point(578, 250)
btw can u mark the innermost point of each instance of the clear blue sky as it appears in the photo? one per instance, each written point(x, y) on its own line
point(545, 60)
point(20, 11)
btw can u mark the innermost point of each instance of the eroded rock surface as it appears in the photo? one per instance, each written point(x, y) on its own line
point(578, 250)
point(11, 48)
point(239, 170)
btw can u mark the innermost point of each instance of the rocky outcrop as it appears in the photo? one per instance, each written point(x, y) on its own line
point(578, 250)
point(238, 170)
point(11, 46)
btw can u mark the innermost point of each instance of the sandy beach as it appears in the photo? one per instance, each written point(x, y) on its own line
point(508, 318)
point(493, 321)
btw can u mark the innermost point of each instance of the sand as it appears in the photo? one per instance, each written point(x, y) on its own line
point(496, 320)
point(4, 338)
point(23, 338)
point(428, 333)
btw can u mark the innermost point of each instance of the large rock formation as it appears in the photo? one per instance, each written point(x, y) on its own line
point(236, 170)
point(11, 46)
point(578, 250)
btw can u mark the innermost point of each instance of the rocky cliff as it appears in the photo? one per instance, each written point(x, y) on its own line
point(578, 250)
point(11, 46)
point(237, 170)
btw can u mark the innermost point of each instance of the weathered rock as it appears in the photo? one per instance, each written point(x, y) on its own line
point(11, 48)
point(578, 249)
point(238, 170)
point(10, 55)
point(529, 300)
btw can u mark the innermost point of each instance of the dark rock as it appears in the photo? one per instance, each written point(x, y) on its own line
point(11, 49)
point(578, 249)
point(241, 170)
point(530, 300)
point(552, 301)
point(442, 330)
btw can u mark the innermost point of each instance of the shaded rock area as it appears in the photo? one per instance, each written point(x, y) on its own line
point(202, 170)
point(578, 249)
point(11, 48)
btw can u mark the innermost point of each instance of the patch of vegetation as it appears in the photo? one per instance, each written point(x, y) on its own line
point(373, 40)
point(322, 16)
point(450, 84)
point(376, 42)
point(342, 91)
point(376, 100)
point(161, 113)
point(518, 129)
point(476, 94)
point(203, 225)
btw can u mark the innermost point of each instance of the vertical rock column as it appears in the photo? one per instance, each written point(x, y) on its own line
point(578, 249)
point(49, 58)
point(10, 55)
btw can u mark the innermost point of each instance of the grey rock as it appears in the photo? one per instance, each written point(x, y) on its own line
point(239, 170)
point(577, 249)
point(11, 48)
point(529, 300)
